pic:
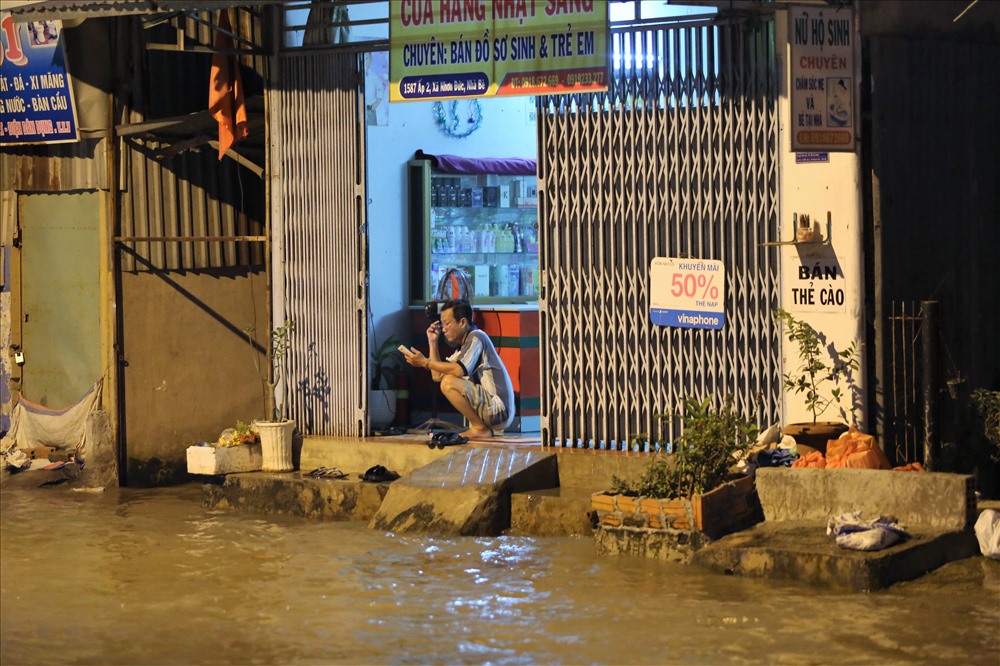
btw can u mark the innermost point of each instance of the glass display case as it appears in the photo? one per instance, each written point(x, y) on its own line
point(484, 224)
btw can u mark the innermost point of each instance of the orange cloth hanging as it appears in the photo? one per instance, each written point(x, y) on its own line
point(225, 90)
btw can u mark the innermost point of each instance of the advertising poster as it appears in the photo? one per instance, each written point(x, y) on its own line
point(822, 85)
point(36, 98)
point(449, 49)
point(687, 293)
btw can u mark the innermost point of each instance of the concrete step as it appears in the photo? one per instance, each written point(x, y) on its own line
point(467, 492)
point(293, 493)
point(551, 512)
point(802, 551)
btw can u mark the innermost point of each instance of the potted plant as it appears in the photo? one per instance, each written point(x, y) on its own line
point(818, 377)
point(690, 495)
point(275, 430)
point(382, 396)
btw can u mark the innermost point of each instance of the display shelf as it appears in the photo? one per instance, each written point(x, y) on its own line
point(484, 224)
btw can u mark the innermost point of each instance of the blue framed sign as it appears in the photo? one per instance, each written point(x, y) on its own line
point(36, 95)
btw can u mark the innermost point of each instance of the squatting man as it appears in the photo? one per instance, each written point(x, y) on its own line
point(474, 378)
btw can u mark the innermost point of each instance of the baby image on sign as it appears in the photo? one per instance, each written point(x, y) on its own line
point(687, 293)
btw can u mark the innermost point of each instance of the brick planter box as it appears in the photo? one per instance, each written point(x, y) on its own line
point(673, 529)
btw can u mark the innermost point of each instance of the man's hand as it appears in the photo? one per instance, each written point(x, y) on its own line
point(415, 358)
point(433, 333)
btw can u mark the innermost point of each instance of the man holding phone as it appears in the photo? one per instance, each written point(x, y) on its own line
point(473, 379)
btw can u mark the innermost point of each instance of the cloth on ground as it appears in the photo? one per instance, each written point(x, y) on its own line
point(988, 533)
point(853, 532)
point(775, 458)
point(33, 425)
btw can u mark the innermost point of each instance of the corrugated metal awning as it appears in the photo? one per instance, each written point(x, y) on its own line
point(171, 136)
point(80, 9)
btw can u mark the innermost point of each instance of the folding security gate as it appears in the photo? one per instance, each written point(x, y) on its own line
point(678, 159)
point(320, 253)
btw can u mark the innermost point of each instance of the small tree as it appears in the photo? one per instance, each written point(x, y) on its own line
point(280, 344)
point(817, 366)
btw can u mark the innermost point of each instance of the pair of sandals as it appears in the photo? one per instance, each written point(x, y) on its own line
point(327, 473)
point(443, 439)
point(378, 474)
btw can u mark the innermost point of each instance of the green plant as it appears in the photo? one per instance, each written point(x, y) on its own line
point(385, 360)
point(817, 365)
point(987, 404)
point(702, 459)
point(280, 344)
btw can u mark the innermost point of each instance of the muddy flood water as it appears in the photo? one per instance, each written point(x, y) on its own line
point(152, 577)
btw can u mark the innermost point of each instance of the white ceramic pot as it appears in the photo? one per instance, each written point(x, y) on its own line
point(276, 445)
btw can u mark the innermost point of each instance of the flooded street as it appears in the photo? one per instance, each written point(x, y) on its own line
point(152, 577)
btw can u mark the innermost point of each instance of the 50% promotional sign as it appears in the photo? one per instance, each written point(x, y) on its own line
point(688, 293)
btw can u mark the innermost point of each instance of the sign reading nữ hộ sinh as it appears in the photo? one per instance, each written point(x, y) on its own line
point(36, 95)
point(821, 39)
point(448, 49)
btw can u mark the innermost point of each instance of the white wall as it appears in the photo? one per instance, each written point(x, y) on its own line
point(505, 131)
point(815, 189)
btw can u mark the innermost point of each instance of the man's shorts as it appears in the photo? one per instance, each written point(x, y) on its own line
point(489, 407)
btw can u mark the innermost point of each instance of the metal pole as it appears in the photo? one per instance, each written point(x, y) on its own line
point(929, 316)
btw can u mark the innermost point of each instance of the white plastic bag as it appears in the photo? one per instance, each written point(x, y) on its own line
point(853, 532)
point(988, 533)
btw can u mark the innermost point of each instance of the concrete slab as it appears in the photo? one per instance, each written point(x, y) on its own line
point(401, 454)
point(801, 550)
point(927, 500)
point(465, 493)
point(551, 512)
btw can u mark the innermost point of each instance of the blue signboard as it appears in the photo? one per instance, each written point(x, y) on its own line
point(36, 97)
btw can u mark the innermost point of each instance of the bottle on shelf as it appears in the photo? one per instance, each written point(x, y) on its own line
point(514, 280)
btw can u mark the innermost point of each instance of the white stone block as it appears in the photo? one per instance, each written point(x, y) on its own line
point(224, 460)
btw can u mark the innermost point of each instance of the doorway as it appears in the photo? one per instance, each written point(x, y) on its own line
point(60, 300)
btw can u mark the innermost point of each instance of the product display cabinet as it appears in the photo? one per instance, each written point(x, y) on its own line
point(463, 216)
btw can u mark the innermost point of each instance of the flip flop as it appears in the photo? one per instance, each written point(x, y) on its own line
point(378, 474)
point(316, 473)
point(443, 439)
point(333, 473)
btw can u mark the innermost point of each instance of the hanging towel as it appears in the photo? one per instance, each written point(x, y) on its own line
point(225, 89)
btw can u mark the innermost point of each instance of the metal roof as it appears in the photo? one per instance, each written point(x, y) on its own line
point(72, 9)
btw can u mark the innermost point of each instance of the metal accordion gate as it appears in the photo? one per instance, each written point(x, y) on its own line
point(677, 159)
point(320, 252)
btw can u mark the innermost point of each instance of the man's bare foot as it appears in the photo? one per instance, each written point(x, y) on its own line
point(477, 433)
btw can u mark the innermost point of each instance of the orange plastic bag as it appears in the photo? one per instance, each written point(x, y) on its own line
point(856, 450)
point(814, 459)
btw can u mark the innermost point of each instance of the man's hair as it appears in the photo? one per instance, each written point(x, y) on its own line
point(460, 309)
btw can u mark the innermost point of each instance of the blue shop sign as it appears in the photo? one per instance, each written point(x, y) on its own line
point(36, 95)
